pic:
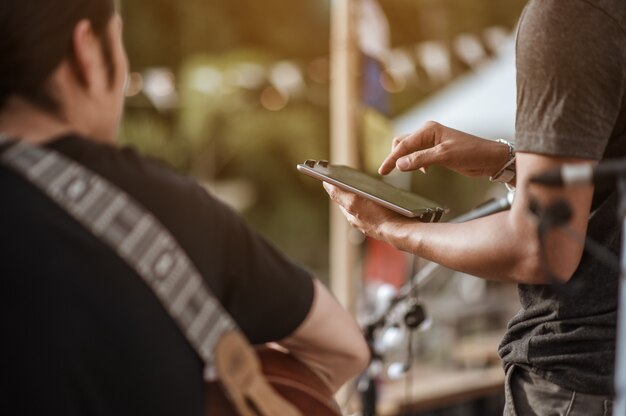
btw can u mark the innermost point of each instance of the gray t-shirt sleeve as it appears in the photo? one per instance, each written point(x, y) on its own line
point(570, 86)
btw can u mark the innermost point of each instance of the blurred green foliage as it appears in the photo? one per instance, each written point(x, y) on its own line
point(228, 134)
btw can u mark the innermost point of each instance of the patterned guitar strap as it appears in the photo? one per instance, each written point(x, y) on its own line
point(150, 250)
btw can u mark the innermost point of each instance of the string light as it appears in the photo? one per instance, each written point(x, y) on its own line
point(160, 88)
point(272, 99)
point(392, 83)
point(207, 80)
point(287, 79)
point(134, 84)
point(247, 75)
point(319, 70)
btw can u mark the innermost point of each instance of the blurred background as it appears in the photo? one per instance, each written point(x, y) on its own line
point(237, 92)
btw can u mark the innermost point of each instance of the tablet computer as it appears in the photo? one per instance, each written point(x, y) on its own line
point(370, 187)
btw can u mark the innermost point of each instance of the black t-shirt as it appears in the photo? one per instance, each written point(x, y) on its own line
point(82, 334)
point(571, 81)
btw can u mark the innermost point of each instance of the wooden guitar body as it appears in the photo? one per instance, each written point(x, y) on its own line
point(290, 378)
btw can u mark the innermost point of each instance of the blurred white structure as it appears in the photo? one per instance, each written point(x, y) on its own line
point(480, 103)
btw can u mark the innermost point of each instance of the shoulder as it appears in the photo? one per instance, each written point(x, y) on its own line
point(562, 20)
point(197, 220)
point(570, 63)
point(122, 165)
point(567, 40)
point(148, 180)
point(614, 10)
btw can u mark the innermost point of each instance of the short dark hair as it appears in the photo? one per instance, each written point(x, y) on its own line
point(36, 36)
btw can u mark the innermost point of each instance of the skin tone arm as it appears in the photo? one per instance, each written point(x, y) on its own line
point(329, 341)
point(499, 247)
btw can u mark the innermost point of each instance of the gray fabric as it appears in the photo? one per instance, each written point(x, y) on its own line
point(527, 394)
point(571, 78)
point(571, 63)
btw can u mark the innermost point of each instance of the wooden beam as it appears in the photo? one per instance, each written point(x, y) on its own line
point(344, 108)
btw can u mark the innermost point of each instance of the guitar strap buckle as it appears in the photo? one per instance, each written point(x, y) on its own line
point(240, 374)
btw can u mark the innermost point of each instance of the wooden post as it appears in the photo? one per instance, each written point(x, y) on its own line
point(344, 107)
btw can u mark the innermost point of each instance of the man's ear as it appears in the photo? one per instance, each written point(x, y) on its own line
point(87, 56)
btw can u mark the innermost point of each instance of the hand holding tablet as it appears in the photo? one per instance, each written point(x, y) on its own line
point(370, 187)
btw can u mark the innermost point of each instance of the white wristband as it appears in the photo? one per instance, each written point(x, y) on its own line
point(507, 173)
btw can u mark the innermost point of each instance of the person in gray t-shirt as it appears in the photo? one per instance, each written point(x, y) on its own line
point(571, 76)
point(571, 90)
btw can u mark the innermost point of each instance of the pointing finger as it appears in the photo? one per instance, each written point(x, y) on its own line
point(422, 139)
point(419, 160)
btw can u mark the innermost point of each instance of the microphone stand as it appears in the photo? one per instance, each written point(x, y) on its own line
point(415, 315)
point(620, 347)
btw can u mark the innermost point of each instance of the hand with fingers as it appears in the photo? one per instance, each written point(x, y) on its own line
point(371, 219)
point(436, 144)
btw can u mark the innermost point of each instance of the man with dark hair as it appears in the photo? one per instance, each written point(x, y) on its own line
point(31, 51)
point(81, 333)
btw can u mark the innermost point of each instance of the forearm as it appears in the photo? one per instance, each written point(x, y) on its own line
point(494, 247)
point(329, 341)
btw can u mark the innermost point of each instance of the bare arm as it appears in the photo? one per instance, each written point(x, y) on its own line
point(499, 247)
point(329, 341)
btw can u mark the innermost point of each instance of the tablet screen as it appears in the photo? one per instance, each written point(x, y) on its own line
point(404, 202)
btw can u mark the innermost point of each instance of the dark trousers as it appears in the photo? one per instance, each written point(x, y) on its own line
point(527, 394)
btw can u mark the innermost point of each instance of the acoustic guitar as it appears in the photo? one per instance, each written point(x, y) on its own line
point(290, 378)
